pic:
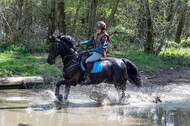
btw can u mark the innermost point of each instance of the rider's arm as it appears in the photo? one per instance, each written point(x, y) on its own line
point(97, 49)
point(88, 42)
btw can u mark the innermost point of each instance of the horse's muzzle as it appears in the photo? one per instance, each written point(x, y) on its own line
point(51, 62)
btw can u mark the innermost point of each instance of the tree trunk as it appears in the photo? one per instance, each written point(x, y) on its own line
point(76, 17)
point(187, 29)
point(170, 10)
point(141, 21)
point(148, 48)
point(45, 17)
point(181, 22)
point(19, 22)
point(62, 24)
point(52, 17)
point(27, 14)
point(112, 13)
point(19, 19)
point(92, 18)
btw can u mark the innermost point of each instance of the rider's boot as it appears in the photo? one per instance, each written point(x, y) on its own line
point(87, 78)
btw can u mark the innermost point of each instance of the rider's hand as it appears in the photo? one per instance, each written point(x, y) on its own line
point(78, 44)
point(87, 51)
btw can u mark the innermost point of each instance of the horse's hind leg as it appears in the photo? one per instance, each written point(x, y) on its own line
point(121, 87)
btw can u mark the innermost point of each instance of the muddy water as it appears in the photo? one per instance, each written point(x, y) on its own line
point(37, 107)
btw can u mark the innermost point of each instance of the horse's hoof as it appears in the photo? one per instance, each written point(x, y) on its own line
point(123, 101)
point(59, 97)
point(64, 102)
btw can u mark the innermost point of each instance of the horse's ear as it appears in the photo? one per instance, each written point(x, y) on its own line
point(59, 36)
point(50, 38)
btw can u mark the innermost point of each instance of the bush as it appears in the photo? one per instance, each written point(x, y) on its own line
point(172, 44)
point(120, 38)
point(7, 46)
point(186, 42)
point(4, 46)
point(41, 49)
point(120, 34)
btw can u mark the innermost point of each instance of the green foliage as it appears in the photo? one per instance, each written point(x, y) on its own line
point(24, 49)
point(26, 65)
point(41, 48)
point(16, 61)
point(172, 44)
point(6, 46)
point(35, 43)
point(176, 55)
point(186, 42)
point(119, 36)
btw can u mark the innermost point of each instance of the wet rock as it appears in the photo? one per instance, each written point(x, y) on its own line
point(24, 124)
point(157, 99)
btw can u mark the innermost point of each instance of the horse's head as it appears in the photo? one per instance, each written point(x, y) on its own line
point(60, 45)
point(54, 49)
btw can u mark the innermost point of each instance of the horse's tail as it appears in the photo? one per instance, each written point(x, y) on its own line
point(132, 73)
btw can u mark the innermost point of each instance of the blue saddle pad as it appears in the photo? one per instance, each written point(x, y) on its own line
point(97, 67)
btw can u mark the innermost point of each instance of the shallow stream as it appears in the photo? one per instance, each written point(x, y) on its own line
point(97, 106)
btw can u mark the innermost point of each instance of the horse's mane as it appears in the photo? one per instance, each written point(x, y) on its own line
point(68, 40)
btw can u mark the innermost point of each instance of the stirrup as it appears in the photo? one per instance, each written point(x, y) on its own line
point(87, 80)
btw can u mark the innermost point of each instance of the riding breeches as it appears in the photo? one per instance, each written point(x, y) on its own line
point(94, 57)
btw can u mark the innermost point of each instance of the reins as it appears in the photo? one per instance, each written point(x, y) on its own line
point(70, 55)
point(75, 61)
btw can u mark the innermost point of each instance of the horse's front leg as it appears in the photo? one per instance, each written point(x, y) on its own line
point(67, 90)
point(67, 84)
point(59, 83)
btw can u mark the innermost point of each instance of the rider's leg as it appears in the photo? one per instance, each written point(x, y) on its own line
point(87, 79)
point(94, 57)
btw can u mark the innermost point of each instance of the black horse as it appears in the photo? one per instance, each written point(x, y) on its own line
point(115, 71)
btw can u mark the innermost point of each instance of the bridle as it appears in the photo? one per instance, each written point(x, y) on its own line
point(64, 57)
point(57, 44)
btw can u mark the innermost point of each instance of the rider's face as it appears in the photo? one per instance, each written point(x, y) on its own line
point(98, 30)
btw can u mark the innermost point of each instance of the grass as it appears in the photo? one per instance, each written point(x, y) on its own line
point(177, 56)
point(16, 64)
point(142, 60)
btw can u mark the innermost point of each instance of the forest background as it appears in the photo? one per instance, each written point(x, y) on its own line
point(153, 34)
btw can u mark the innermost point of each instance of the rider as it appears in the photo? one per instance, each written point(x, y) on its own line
point(100, 41)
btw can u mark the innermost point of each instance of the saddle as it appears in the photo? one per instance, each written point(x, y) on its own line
point(95, 66)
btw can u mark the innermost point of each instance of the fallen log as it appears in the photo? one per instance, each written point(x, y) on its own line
point(7, 81)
